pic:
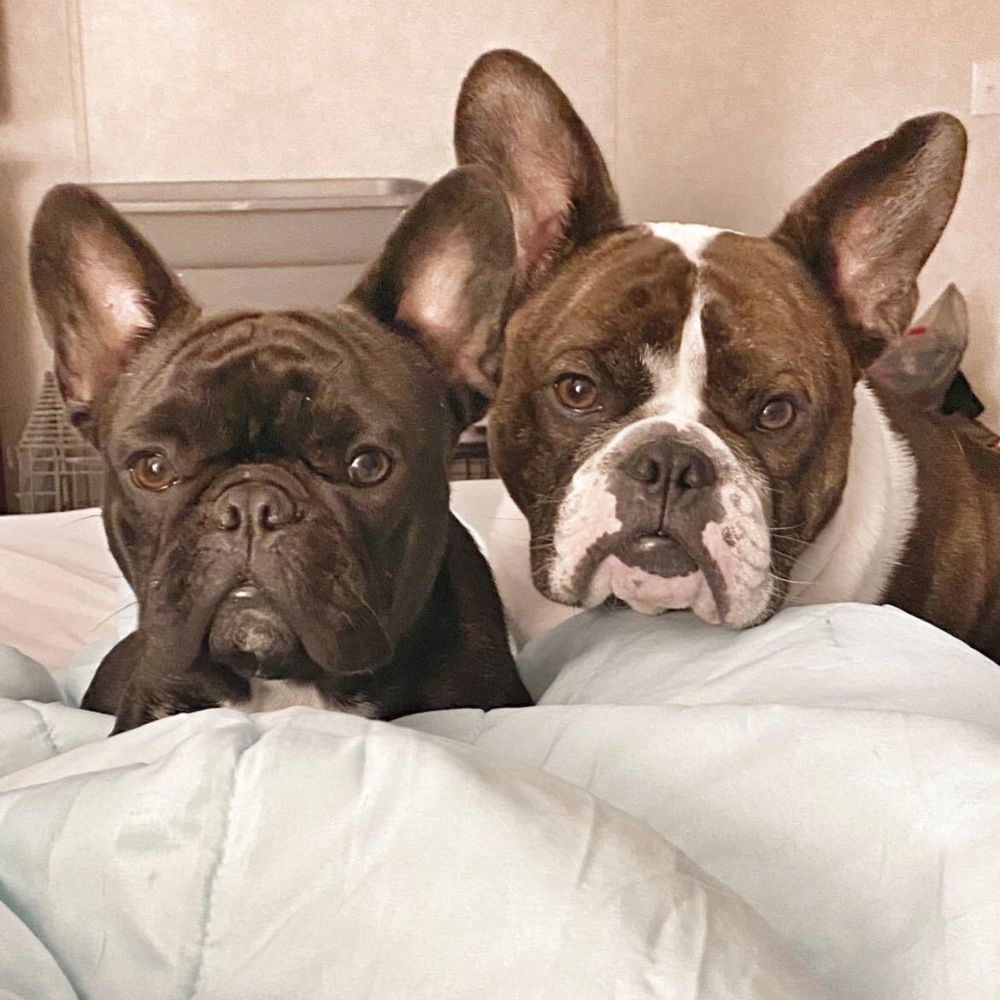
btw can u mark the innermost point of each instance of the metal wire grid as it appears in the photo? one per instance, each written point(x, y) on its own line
point(57, 469)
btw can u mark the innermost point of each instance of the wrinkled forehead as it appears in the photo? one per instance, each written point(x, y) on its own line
point(626, 289)
point(267, 365)
point(674, 293)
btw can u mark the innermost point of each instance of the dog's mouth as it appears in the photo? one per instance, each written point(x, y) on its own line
point(249, 635)
point(651, 573)
point(657, 553)
point(656, 571)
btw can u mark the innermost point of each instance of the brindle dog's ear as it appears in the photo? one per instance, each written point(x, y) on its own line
point(100, 290)
point(512, 118)
point(866, 229)
point(444, 278)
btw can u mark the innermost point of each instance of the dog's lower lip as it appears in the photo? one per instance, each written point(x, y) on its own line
point(658, 553)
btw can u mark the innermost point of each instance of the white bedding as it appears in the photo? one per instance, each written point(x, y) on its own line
point(839, 767)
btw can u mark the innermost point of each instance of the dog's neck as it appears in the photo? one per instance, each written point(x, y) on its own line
point(854, 557)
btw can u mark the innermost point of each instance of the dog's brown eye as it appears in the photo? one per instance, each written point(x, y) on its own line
point(369, 467)
point(776, 414)
point(576, 392)
point(152, 472)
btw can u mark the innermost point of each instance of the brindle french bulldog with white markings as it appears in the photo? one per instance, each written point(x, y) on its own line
point(683, 416)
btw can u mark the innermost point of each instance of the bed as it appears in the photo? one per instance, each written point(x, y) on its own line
point(807, 809)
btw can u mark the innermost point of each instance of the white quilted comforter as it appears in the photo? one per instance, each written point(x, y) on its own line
point(838, 768)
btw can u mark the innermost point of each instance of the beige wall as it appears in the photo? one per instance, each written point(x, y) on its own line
point(39, 145)
point(720, 112)
point(726, 114)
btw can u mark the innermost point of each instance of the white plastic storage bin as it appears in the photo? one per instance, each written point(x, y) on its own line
point(266, 244)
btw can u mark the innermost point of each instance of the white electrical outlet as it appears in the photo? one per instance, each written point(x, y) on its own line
point(986, 87)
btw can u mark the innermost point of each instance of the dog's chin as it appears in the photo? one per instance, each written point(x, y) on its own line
point(655, 574)
point(249, 635)
point(650, 593)
point(257, 633)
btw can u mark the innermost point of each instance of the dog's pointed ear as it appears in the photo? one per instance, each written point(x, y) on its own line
point(513, 119)
point(445, 277)
point(101, 290)
point(866, 229)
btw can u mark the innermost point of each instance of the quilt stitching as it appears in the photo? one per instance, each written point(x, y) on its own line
point(206, 922)
point(45, 729)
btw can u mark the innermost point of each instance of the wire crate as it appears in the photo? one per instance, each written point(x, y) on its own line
point(57, 469)
point(471, 459)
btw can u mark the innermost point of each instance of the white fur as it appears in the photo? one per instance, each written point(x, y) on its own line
point(854, 556)
point(586, 513)
point(650, 594)
point(127, 309)
point(679, 379)
point(274, 695)
point(690, 237)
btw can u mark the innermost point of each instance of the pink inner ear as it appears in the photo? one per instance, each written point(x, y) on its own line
point(855, 244)
point(435, 304)
point(542, 201)
point(868, 275)
point(116, 300)
point(432, 301)
point(536, 239)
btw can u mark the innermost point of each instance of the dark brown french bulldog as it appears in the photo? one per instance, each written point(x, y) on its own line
point(276, 483)
point(683, 417)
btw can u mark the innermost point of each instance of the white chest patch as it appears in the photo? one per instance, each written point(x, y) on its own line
point(274, 695)
point(854, 556)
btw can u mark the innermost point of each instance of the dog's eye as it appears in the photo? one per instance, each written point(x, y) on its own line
point(776, 414)
point(369, 467)
point(576, 392)
point(152, 472)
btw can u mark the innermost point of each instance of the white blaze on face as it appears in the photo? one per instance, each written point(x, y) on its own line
point(680, 380)
point(739, 544)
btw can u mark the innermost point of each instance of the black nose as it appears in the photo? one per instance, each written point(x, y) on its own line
point(662, 464)
point(254, 507)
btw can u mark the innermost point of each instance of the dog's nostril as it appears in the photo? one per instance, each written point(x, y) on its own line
point(644, 469)
point(228, 516)
point(275, 513)
point(672, 465)
point(696, 474)
point(254, 507)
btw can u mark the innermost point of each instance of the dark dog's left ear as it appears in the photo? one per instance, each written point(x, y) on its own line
point(101, 291)
point(444, 278)
point(866, 229)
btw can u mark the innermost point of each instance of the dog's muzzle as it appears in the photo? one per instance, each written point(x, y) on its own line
point(663, 518)
point(248, 633)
